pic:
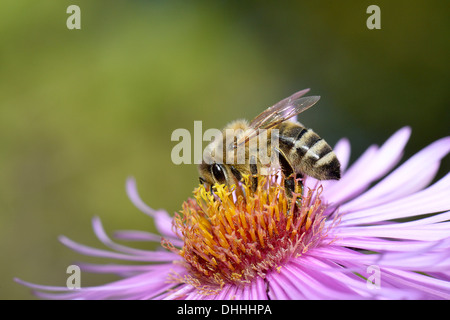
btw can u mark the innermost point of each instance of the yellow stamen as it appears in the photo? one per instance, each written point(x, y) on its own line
point(233, 240)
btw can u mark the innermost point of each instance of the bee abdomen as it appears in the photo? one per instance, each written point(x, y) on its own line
point(308, 153)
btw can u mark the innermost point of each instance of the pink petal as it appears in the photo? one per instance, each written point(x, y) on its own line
point(103, 237)
point(181, 292)
point(372, 165)
point(380, 245)
point(229, 293)
point(412, 176)
point(162, 219)
point(433, 199)
point(224, 294)
point(151, 256)
point(317, 284)
point(133, 235)
point(288, 282)
point(429, 233)
point(120, 269)
point(276, 291)
point(259, 289)
point(342, 151)
point(427, 286)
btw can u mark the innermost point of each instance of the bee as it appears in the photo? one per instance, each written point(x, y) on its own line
point(299, 150)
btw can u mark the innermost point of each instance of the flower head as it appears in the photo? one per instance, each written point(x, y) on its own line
point(368, 235)
point(229, 239)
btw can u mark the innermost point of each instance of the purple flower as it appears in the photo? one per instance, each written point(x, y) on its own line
point(378, 233)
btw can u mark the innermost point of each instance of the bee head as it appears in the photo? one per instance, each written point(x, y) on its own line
point(212, 173)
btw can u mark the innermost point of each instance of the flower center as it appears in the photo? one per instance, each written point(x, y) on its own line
point(232, 236)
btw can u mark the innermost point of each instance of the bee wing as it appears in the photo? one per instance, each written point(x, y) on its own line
point(278, 108)
point(280, 112)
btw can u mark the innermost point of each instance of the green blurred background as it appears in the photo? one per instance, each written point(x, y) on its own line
point(81, 110)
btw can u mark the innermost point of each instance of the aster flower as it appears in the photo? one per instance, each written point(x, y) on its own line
point(378, 233)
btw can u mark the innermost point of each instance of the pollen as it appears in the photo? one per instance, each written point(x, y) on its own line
point(233, 237)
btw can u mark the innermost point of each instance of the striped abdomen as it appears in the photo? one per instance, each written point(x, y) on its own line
point(306, 152)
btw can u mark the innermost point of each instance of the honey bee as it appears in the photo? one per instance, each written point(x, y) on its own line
point(299, 150)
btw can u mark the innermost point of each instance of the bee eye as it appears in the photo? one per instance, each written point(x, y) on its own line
point(218, 173)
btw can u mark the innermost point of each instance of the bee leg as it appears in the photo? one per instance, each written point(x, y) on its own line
point(254, 172)
point(288, 172)
point(299, 188)
point(292, 182)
